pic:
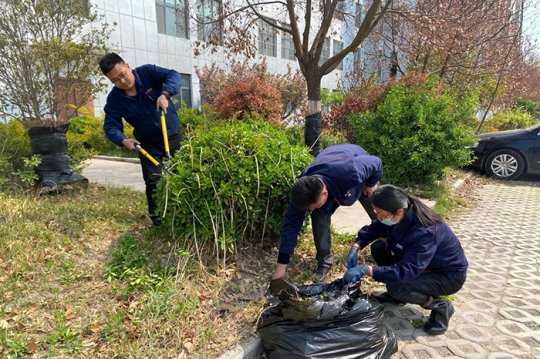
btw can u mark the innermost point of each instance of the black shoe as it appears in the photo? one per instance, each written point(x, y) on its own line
point(387, 298)
point(319, 275)
point(441, 312)
point(156, 220)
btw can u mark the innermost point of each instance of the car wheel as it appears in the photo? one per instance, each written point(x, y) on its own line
point(505, 165)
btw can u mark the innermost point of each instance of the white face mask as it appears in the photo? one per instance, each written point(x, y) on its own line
point(388, 222)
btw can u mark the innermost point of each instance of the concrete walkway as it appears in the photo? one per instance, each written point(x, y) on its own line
point(498, 309)
point(115, 173)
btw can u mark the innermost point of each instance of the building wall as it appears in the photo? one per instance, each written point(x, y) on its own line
point(137, 40)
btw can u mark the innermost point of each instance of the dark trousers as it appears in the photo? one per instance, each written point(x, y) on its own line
point(152, 173)
point(320, 224)
point(421, 289)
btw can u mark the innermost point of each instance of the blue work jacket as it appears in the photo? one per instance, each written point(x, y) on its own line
point(140, 110)
point(346, 170)
point(417, 249)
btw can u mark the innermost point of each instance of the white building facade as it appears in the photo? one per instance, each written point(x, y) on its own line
point(164, 33)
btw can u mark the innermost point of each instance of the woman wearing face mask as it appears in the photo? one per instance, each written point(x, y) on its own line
point(418, 256)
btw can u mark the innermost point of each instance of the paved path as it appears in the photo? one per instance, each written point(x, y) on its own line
point(115, 173)
point(498, 309)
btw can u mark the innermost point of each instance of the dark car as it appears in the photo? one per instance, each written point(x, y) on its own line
point(508, 154)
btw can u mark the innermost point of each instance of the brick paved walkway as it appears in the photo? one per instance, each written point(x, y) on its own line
point(498, 309)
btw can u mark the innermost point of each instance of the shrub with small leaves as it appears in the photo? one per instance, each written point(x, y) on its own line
point(16, 161)
point(230, 185)
point(511, 120)
point(250, 98)
point(418, 131)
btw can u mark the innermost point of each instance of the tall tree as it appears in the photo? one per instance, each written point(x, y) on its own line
point(48, 61)
point(48, 53)
point(309, 23)
point(467, 44)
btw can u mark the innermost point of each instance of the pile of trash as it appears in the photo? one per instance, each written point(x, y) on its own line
point(333, 320)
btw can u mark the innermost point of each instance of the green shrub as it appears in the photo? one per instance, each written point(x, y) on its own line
point(16, 161)
point(329, 136)
point(191, 118)
point(511, 119)
point(230, 184)
point(529, 106)
point(86, 138)
point(417, 131)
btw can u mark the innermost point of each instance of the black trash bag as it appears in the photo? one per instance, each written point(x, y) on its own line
point(51, 144)
point(325, 321)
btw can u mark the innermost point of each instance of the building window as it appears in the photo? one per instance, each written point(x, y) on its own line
point(209, 28)
point(358, 17)
point(338, 46)
point(287, 46)
point(340, 10)
point(172, 18)
point(325, 54)
point(184, 96)
point(267, 39)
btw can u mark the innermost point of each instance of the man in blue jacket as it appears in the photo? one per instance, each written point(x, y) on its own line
point(138, 96)
point(339, 175)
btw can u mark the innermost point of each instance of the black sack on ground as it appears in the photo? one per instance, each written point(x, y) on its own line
point(51, 144)
point(325, 321)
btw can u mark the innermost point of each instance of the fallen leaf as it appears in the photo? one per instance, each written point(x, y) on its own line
point(31, 346)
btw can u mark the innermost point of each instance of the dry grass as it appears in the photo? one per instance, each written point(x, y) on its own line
point(82, 275)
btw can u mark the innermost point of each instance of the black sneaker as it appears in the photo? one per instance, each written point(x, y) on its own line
point(319, 275)
point(387, 298)
point(156, 220)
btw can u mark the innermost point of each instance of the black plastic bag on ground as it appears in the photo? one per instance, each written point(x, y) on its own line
point(51, 144)
point(325, 321)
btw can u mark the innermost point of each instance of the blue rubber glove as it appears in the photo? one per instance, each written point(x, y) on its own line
point(352, 257)
point(354, 274)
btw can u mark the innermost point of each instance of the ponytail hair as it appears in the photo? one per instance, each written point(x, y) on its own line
point(392, 198)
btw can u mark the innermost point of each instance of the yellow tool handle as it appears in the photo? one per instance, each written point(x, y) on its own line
point(165, 136)
point(147, 155)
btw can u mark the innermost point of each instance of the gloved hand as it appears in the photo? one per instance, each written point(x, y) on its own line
point(352, 257)
point(354, 274)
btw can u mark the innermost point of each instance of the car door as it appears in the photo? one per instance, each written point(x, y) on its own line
point(536, 151)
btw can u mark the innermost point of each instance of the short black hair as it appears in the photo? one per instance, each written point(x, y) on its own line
point(107, 62)
point(306, 191)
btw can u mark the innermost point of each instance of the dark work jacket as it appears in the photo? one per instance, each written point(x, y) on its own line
point(417, 249)
point(140, 110)
point(346, 170)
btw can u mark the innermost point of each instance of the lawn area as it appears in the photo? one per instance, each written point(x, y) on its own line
point(82, 275)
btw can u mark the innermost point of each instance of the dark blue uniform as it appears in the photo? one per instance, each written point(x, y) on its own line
point(416, 262)
point(415, 249)
point(140, 112)
point(346, 170)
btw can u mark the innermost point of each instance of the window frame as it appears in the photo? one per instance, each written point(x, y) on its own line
point(183, 15)
point(265, 47)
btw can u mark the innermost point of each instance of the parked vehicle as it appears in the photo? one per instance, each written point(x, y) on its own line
point(507, 155)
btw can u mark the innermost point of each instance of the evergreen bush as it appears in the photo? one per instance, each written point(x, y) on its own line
point(230, 185)
point(511, 120)
point(16, 161)
point(417, 131)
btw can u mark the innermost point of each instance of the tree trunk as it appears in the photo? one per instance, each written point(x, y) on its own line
point(50, 144)
point(312, 129)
